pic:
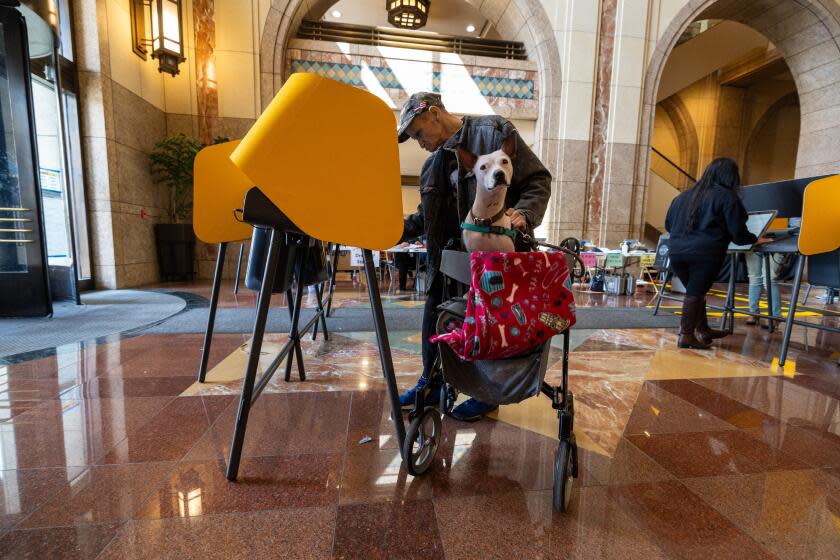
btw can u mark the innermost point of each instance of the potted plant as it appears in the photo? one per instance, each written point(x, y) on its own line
point(172, 164)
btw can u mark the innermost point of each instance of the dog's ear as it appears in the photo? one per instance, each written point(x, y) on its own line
point(509, 145)
point(466, 158)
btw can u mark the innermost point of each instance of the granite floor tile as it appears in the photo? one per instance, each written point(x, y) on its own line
point(627, 465)
point(68, 543)
point(779, 398)
point(291, 533)
point(387, 530)
point(369, 410)
point(112, 418)
point(722, 406)
point(682, 524)
point(491, 457)
point(287, 424)
point(172, 432)
point(165, 362)
point(120, 388)
point(657, 411)
point(374, 472)
point(21, 391)
point(74, 432)
point(31, 447)
point(713, 453)
point(523, 525)
point(201, 488)
point(24, 491)
point(44, 368)
point(813, 446)
point(100, 495)
point(791, 513)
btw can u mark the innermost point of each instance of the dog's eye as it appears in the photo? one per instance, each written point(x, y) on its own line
point(504, 162)
point(483, 167)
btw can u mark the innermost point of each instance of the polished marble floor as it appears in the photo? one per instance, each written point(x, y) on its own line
point(112, 450)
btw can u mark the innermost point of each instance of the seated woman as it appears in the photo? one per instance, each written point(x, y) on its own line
point(702, 222)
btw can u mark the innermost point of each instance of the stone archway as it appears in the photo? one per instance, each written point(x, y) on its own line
point(786, 102)
point(689, 144)
point(807, 35)
point(519, 20)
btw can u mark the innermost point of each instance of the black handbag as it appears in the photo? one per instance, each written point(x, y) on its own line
point(597, 282)
point(315, 267)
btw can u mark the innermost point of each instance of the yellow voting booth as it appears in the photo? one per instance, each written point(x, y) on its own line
point(322, 163)
point(218, 188)
point(326, 154)
point(819, 234)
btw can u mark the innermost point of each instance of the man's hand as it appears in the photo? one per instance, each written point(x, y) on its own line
point(517, 220)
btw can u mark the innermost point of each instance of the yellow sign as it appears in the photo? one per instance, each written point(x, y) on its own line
point(646, 260)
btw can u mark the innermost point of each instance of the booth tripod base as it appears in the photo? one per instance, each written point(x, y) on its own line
point(252, 388)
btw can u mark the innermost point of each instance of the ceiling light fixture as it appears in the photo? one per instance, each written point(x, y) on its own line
point(336, 14)
point(408, 14)
point(470, 28)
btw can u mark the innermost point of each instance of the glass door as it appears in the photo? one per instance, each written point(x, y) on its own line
point(24, 287)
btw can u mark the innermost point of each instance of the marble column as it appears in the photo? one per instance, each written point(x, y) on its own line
point(600, 121)
point(205, 76)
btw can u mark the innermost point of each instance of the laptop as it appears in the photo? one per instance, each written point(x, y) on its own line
point(758, 223)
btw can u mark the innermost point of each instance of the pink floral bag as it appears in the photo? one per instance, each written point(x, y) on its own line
point(516, 302)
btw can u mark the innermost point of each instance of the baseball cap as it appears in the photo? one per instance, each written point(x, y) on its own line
point(415, 105)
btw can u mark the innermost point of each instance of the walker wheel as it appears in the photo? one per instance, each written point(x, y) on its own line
point(563, 476)
point(421, 441)
point(448, 396)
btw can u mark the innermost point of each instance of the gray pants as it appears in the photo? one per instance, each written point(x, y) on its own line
point(755, 269)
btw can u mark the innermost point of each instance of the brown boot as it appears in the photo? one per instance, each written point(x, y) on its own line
point(704, 333)
point(688, 324)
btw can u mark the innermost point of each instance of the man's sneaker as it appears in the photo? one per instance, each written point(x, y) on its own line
point(472, 410)
point(407, 398)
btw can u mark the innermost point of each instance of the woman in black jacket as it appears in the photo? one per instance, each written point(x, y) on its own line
point(702, 221)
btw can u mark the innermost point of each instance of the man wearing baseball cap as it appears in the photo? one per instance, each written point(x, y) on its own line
point(446, 196)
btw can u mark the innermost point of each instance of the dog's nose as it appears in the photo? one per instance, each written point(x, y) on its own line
point(499, 177)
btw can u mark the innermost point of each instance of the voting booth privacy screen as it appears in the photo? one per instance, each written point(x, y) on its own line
point(326, 154)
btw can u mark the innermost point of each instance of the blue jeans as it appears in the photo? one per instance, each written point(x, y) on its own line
point(755, 269)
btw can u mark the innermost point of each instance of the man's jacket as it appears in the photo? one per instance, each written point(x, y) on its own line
point(443, 207)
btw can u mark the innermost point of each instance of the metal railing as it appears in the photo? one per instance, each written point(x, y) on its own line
point(675, 175)
point(361, 35)
point(696, 28)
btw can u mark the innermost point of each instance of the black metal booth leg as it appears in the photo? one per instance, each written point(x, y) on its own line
point(319, 294)
point(294, 334)
point(384, 347)
point(333, 273)
point(661, 293)
point(791, 315)
point(263, 303)
point(729, 307)
point(211, 316)
point(238, 268)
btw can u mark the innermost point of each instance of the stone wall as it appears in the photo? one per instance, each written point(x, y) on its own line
point(118, 128)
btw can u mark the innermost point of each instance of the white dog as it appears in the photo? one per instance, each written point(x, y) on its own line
point(493, 174)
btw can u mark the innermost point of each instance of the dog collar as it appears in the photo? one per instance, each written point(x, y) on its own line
point(497, 230)
point(487, 222)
